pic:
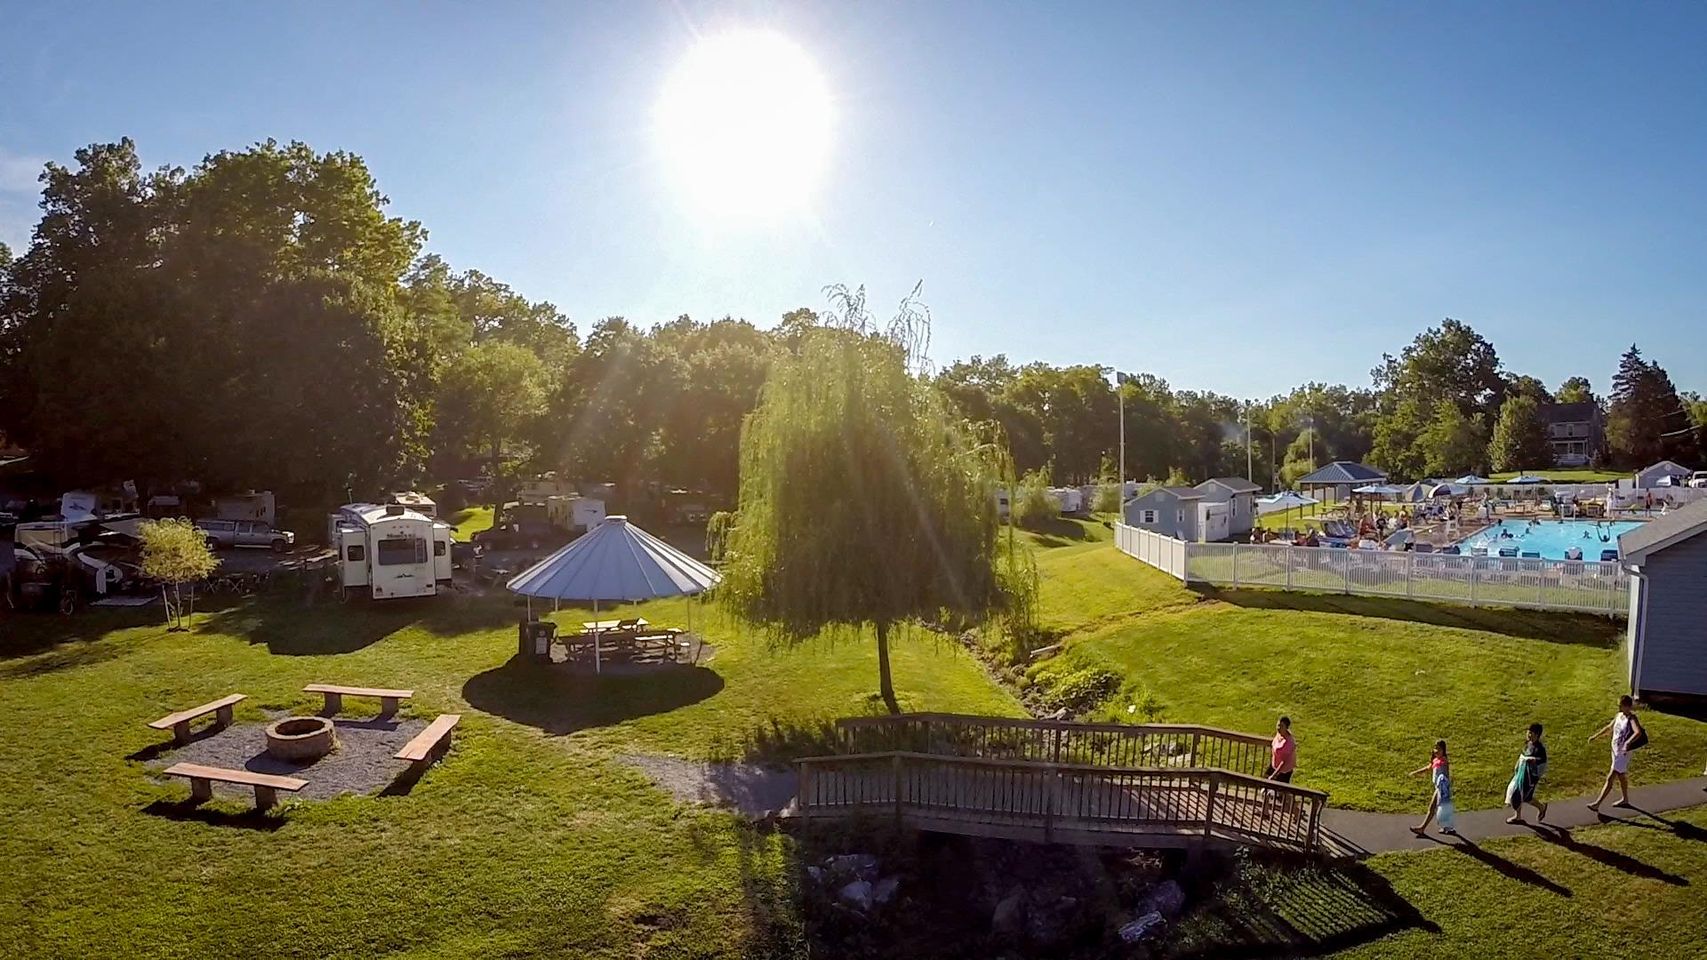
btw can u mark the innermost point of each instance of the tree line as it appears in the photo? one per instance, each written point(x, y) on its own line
point(259, 320)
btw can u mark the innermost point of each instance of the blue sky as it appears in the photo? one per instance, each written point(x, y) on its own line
point(1235, 196)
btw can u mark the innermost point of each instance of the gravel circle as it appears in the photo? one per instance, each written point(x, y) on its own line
point(362, 762)
point(748, 788)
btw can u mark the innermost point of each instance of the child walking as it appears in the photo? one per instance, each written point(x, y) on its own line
point(1440, 802)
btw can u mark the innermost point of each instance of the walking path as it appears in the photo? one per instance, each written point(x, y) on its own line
point(1357, 833)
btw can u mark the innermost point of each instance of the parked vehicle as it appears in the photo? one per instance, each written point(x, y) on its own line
point(522, 535)
point(244, 533)
point(1698, 479)
point(389, 551)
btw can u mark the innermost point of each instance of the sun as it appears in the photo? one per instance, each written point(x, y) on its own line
point(744, 124)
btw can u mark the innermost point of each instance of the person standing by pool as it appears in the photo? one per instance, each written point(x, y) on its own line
point(1531, 767)
point(1440, 802)
point(1627, 734)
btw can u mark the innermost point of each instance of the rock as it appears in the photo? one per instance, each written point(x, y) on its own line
point(856, 894)
point(1061, 714)
point(1009, 916)
point(816, 873)
point(1144, 926)
point(884, 890)
point(1048, 925)
point(1165, 898)
point(859, 866)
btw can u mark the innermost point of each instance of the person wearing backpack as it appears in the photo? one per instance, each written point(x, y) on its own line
point(1627, 734)
point(1531, 767)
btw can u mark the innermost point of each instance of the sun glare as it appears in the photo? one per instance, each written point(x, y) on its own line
point(744, 124)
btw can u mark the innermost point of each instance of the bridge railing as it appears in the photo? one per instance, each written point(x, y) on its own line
point(1057, 741)
point(1066, 803)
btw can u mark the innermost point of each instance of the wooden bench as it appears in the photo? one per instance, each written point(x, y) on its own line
point(431, 743)
point(335, 695)
point(266, 785)
point(179, 723)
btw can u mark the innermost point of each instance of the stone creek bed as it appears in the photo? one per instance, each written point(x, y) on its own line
point(362, 762)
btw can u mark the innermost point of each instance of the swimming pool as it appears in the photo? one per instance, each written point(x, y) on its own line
point(1550, 538)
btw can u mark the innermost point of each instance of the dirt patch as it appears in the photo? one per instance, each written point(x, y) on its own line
point(751, 789)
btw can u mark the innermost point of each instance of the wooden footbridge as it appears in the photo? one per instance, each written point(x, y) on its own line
point(1155, 785)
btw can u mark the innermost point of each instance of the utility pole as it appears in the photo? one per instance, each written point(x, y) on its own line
point(1248, 472)
point(1121, 398)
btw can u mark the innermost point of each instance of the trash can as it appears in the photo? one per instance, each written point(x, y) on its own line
point(535, 637)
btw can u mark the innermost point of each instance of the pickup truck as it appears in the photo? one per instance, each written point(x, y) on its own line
point(522, 535)
point(1698, 479)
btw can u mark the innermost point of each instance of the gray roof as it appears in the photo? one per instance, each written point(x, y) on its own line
point(1235, 484)
point(1668, 466)
point(1344, 471)
point(1655, 535)
point(616, 561)
point(1185, 493)
point(1570, 412)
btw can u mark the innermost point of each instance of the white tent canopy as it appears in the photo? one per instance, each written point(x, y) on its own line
point(1285, 500)
point(615, 561)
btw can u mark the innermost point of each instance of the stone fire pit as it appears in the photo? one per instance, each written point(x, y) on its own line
point(300, 739)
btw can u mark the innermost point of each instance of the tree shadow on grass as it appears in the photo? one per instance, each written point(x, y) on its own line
point(42, 642)
point(289, 626)
point(1561, 837)
point(191, 811)
point(561, 701)
point(1287, 907)
point(1551, 626)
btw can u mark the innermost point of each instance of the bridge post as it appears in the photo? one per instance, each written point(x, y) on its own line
point(1051, 804)
point(1315, 827)
point(1209, 805)
point(895, 771)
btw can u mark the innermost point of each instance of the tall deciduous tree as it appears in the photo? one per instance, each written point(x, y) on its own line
point(865, 500)
point(1448, 364)
point(1453, 442)
point(491, 397)
point(1575, 390)
point(1520, 436)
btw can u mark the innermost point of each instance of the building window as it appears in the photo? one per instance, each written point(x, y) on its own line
point(1149, 516)
point(1179, 518)
point(397, 551)
point(438, 548)
point(355, 554)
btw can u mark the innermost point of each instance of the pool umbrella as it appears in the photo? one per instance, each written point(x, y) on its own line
point(1472, 478)
point(615, 562)
point(1527, 478)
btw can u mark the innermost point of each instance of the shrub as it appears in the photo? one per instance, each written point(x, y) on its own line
point(1107, 498)
point(1078, 691)
point(1031, 506)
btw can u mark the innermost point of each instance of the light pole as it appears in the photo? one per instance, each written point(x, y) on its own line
point(1248, 472)
point(1120, 399)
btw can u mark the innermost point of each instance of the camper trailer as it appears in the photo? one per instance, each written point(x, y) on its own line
point(575, 514)
point(539, 490)
point(247, 506)
point(389, 551)
point(418, 502)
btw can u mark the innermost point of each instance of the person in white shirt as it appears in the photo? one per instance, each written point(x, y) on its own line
point(1623, 729)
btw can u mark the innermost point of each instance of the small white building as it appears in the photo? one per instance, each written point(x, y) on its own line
point(254, 505)
point(1648, 477)
point(1240, 496)
point(390, 551)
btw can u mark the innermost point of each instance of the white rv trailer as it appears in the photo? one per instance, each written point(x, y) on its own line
point(390, 551)
point(575, 514)
point(418, 502)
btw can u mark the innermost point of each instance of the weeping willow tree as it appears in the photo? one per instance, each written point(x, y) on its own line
point(864, 502)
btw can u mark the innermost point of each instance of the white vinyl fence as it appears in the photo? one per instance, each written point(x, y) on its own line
point(1587, 586)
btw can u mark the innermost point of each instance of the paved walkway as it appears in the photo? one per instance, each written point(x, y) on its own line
point(1357, 833)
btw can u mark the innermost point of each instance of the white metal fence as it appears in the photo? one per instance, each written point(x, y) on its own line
point(1478, 581)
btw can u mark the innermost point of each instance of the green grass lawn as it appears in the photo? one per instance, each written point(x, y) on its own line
point(1369, 682)
point(532, 839)
point(470, 521)
point(1604, 893)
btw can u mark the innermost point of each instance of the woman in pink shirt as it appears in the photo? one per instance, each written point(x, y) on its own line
point(1282, 759)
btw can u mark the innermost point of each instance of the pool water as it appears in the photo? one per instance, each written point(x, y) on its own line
point(1550, 538)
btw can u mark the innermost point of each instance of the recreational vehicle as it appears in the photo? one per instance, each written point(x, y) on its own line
point(418, 502)
point(575, 514)
point(390, 551)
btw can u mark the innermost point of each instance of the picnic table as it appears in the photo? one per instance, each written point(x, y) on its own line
point(632, 640)
point(605, 626)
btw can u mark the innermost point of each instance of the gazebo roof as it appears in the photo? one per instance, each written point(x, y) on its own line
point(615, 561)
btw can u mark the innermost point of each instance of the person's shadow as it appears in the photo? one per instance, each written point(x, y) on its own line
point(1516, 871)
point(1561, 837)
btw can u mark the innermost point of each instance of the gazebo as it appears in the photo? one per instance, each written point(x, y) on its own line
point(1337, 480)
point(615, 562)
